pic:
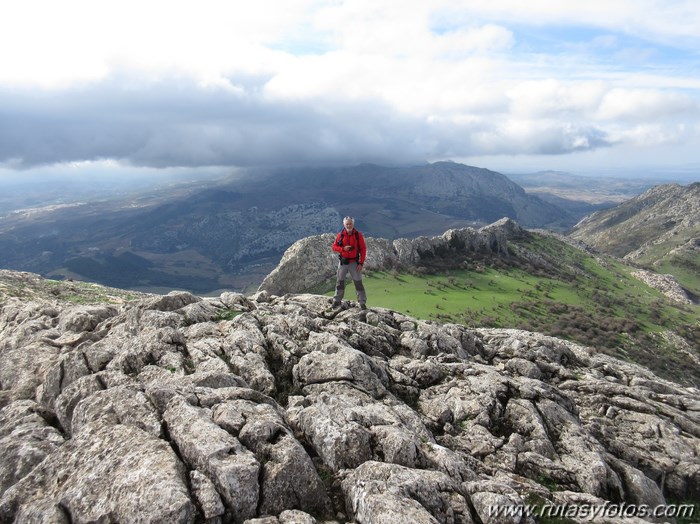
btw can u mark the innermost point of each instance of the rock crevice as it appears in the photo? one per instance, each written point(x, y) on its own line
point(269, 409)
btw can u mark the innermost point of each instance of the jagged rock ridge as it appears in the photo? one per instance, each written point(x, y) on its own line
point(180, 409)
point(310, 261)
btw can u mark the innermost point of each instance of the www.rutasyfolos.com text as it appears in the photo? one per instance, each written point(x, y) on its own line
point(607, 510)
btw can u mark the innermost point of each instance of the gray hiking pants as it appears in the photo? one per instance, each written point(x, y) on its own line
point(343, 270)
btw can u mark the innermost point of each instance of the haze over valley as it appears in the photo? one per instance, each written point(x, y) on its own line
point(229, 232)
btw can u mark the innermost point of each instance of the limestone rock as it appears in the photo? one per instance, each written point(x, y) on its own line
point(269, 410)
point(380, 493)
point(667, 284)
point(118, 473)
point(292, 275)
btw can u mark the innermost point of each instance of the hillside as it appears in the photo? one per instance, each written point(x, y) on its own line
point(659, 229)
point(230, 233)
point(187, 410)
point(505, 276)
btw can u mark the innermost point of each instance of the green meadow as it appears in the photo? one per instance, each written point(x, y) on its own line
point(560, 291)
point(684, 264)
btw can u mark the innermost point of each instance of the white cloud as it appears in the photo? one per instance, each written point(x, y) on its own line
point(56, 43)
point(551, 97)
point(646, 135)
point(639, 105)
point(227, 82)
point(464, 41)
point(669, 21)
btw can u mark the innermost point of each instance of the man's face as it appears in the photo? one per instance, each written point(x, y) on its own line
point(348, 225)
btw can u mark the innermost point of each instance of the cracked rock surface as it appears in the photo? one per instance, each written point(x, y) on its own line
point(272, 410)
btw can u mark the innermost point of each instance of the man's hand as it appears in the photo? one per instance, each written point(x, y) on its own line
point(359, 267)
point(347, 248)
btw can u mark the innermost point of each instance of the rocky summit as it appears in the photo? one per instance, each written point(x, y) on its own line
point(310, 262)
point(268, 409)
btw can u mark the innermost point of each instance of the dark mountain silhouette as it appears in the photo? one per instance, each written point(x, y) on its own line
point(231, 233)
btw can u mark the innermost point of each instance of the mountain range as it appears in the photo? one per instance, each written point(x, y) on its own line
point(230, 233)
point(659, 230)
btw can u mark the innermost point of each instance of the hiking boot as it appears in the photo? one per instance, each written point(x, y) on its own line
point(363, 306)
point(335, 304)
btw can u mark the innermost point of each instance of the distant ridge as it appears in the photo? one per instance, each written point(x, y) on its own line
point(659, 229)
point(309, 262)
point(231, 233)
point(451, 189)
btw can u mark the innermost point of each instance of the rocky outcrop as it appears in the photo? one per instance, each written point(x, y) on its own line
point(667, 284)
point(310, 262)
point(268, 409)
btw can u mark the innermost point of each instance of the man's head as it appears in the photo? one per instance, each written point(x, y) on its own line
point(349, 223)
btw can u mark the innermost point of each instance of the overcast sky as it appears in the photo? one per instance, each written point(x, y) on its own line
point(586, 86)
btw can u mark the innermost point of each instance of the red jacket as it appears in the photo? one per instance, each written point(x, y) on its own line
point(354, 239)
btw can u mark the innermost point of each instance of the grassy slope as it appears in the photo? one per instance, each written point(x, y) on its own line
point(27, 286)
point(683, 264)
point(561, 291)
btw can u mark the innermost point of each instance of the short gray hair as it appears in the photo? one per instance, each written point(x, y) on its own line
point(352, 220)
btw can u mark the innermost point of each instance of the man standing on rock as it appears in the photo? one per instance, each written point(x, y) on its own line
point(351, 249)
